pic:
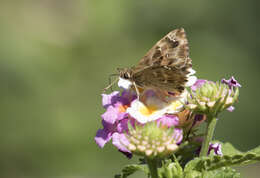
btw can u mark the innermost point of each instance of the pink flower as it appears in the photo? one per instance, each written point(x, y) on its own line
point(121, 110)
point(168, 120)
point(198, 84)
point(171, 121)
point(232, 82)
point(115, 120)
point(216, 147)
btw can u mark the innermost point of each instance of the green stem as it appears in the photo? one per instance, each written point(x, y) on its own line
point(210, 130)
point(152, 164)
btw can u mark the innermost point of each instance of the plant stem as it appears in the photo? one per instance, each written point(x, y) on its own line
point(152, 164)
point(210, 130)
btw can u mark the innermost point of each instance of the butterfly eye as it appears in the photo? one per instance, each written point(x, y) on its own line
point(126, 76)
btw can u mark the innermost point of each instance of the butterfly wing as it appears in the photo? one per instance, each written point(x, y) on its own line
point(172, 50)
point(166, 65)
point(159, 77)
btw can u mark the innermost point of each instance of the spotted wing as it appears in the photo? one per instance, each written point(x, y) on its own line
point(161, 77)
point(172, 51)
point(166, 65)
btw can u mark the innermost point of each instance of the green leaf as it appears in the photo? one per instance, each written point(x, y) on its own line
point(194, 164)
point(238, 157)
point(225, 172)
point(215, 162)
point(231, 157)
point(228, 148)
point(132, 168)
point(256, 150)
point(192, 174)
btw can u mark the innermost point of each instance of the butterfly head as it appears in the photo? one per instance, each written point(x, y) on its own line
point(125, 73)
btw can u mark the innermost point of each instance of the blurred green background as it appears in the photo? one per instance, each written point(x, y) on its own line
point(55, 58)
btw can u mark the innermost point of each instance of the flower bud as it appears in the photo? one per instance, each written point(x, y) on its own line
point(152, 140)
point(212, 98)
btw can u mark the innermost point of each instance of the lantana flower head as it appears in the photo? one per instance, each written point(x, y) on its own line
point(153, 140)
point(124, 109)
point(122, 112)
point(211, 98)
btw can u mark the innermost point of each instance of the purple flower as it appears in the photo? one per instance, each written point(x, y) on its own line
point(104, 135)
point(168, 120)
point(120, 141)
point(198, 84)
point(113, 114)
point(115, 120)
point(178, 135)
point(171, 121)
point(216, 147)
point(232, 82)
point(212, 146)
point(115, 106)
point(110, 99)
point(231, 108)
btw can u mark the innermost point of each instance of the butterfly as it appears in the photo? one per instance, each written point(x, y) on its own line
point(166, 66)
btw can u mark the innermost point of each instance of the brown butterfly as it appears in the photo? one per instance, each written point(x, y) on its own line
point(164, 67)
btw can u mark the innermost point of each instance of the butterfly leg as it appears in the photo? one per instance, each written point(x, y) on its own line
point(110, 85)
point(109, 80)
point(137, 91)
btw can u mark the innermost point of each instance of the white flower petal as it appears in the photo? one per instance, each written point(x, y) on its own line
point(123, 83)
point(142, 114)
point(154, 108)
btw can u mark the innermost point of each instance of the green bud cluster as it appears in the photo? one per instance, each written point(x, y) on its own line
point(151, 140)
point(212, 98)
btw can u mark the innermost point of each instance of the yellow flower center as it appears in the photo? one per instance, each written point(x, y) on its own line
point(147, 110)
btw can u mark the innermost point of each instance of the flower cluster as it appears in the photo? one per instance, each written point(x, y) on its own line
point(125, 110)
point(156, 123)
point(211, 98)
point(154, 140)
